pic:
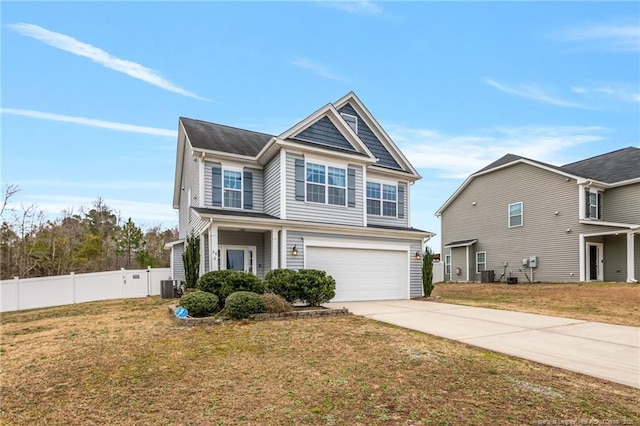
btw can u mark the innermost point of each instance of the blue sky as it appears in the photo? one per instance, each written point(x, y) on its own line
point(92, 92)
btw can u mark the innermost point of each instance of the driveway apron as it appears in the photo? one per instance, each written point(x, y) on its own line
point(606, 351)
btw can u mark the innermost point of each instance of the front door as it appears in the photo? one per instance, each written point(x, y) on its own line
point(238, 258)
point(595, 262)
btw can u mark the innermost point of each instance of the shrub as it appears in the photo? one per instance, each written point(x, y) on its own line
point(200, 303)
point(241, 304)
point(427, 271)
point(314, 286)
point(274, 304)
point(223, 283)
point(281, 282)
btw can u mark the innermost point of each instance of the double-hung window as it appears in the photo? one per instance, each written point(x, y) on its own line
point(594, 205)
point(326, 184)
point(382, 199)
point(481, 261)
point(515, 215)
point(232, 189)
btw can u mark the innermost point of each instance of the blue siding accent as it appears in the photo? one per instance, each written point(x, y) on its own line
point(372, 142)
point(216, 172)
point(401, 190)
point(299, 165)
point(325, 133)
point(351, 187)
point(248, 190)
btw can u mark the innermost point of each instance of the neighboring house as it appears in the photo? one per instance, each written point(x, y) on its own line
point(539, 222)
point(330, 193)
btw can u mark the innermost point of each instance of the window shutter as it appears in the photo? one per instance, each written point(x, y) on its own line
point(248, 189)
point(587, 203)
point(299, 180)
point(351, 187)
point(216, 185)
point(401, 188)
point(599, 205)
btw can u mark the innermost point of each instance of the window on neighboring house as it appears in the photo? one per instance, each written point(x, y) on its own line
point(382, 199)
point(481, 261)
point(594, 205)
point(351, 120)
point(447, 264)
point(326, 185)
point(515, 214)
point(232, 189)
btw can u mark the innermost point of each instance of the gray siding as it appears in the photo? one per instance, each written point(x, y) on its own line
point(178, 266)
point(543, 234)
point(295, 238)
point(415, 271)
point(622, 204)
point(272, 187)
point(615, 256)
point(256, 239)
point(188, 220)
point(390, 221)
point(324, 132)
point(266, 255)
point(323, 213)
point(372, 142)
point(257, 187)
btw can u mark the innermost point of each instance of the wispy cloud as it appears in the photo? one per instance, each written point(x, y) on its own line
point(77, 47)
point(612, 37)
point(608, 91)
point(457, 156)
point(123, 127)
point(362, 7)
point(534, 93)
point(316, 68)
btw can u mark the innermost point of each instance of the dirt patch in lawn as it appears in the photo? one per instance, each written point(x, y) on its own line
point(614, 303)
point(128, 362)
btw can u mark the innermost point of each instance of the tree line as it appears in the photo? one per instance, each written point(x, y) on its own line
point(93, 239)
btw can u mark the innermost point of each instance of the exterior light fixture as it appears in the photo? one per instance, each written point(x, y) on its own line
point(294, 251)
point(418, 256)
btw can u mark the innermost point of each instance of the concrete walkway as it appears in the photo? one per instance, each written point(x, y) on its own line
point(607, 351)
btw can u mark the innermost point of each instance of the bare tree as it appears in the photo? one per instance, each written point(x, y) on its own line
point(8, 191)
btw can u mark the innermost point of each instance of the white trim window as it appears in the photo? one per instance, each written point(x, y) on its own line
point(516, 215)
point(447, 264)
point(326, 184)
point(351, 120)
point(232, 189)
point(594, 205)
point(382, 199)
point(481, 261)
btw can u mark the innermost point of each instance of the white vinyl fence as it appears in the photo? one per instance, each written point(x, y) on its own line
point(18, 294)
point(438, 272)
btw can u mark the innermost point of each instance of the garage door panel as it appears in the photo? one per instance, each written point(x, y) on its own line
point(362, 274)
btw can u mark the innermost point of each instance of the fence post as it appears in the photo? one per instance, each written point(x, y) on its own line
point(17, 281)
point(72, 275)
point(124, 284)
point(148, 281)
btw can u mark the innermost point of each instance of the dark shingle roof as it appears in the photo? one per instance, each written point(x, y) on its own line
point(216, 137)
point(615, 166)
point(509, 158)
point(396, 228)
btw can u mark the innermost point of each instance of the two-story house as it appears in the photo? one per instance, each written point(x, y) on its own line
point(330, 193)
point(538, 222)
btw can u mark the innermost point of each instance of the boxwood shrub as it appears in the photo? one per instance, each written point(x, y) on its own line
point(223, 283)
point(200, 303)
point(314, 286)
point(241, 304)
point(281, 282)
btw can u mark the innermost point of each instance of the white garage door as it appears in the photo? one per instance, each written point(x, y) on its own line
point(362, 274)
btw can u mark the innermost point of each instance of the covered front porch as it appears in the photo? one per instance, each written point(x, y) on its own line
point(610, 256)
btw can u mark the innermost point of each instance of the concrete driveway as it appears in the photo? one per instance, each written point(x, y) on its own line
point(606, 351)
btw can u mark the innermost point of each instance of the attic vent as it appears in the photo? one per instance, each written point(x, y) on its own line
point(351, 120)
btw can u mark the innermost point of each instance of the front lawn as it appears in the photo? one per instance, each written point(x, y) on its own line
point(129, 362)
point(614, 303)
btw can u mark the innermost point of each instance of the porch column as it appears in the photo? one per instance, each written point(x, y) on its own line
point(283, 249)
point(581, 255)
point(274, 248)
point(213, 247)
point(201, 270)
point(631, 270)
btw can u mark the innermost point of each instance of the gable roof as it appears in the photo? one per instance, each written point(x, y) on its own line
point(218, 137)
point(611, 167)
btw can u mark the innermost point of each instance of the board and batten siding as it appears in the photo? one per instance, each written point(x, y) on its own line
point(272, 187)
point(385, 220)
point(622, 204)
point(257, 186)
point(177, 265)
point(480, 212)
point(188, 220)
point(322, 213)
